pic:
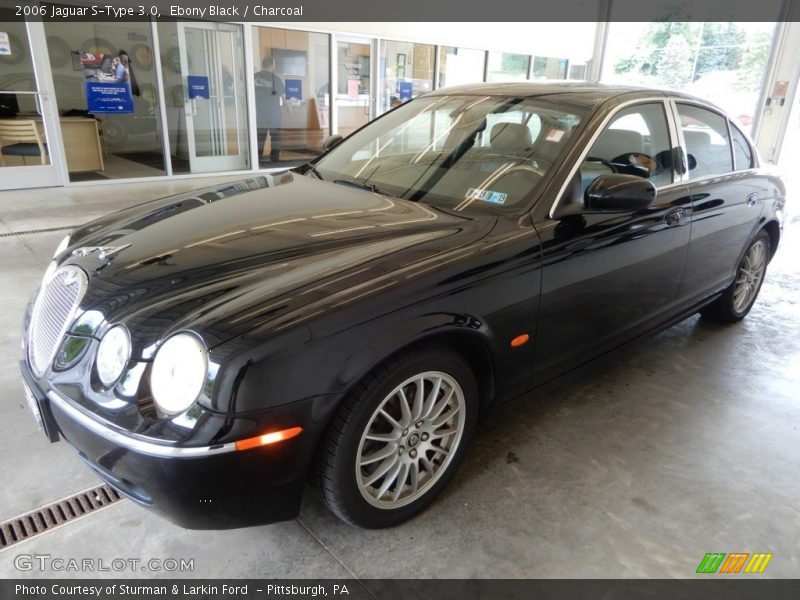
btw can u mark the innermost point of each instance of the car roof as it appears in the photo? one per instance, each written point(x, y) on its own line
point(577, 93)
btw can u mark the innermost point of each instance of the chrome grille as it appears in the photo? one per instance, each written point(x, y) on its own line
point(53, 313)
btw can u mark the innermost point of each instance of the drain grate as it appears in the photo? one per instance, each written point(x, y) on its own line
point(43, 230)
point(49, 517)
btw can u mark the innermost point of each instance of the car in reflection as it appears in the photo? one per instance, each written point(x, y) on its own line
point(348, 322)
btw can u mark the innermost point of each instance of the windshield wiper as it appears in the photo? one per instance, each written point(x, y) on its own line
point(362, 186)
point(306, 167)
point(313, 169)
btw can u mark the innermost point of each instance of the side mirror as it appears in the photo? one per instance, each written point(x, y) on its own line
point(331, 142)
point(618, 192)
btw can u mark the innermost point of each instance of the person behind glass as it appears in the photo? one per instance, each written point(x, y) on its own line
point(119, 70)
point(270, 92)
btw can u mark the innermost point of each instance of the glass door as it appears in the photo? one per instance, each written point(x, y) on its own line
point(28, 114)
point(354, 97)
point(212, 64)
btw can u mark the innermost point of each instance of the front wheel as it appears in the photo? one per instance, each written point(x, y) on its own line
point(398, 438)
point(737, 300)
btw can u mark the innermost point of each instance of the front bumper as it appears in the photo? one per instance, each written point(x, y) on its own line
point(213, 487)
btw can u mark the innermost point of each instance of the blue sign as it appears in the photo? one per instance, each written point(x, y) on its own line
point(406, 90)
point(108, 97)
point(198, 87)
point(294, 89)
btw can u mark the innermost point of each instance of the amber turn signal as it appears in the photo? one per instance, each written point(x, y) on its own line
point(520, 340)
point(268, 438)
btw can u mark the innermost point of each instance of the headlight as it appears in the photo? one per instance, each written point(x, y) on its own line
point(62, 245)
point(179, 372)
point(113, 354)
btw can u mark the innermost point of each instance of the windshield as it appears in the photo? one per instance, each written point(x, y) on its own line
point(455, 151)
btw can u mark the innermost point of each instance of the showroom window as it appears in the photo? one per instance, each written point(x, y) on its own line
point(742, 153)
point(707, 144)
point(106, 90)
point(24, 154)
point(506, 66)
point(204, 84)
point(720, 62)
point(545, 67)
point(458, 66)
point(635, 142)
point(293, 122)
point(353, 101)
point(407, 70)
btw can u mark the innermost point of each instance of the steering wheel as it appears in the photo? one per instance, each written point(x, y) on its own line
point(638, 160)
point(602, 161)
point(521, 163)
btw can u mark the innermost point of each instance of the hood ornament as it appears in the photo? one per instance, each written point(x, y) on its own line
point(104, 252)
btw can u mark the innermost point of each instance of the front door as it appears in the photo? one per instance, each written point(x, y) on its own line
point(608, 276)
point(29, 154)
point(212, 64)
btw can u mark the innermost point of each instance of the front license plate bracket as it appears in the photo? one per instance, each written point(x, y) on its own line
point(40, 407)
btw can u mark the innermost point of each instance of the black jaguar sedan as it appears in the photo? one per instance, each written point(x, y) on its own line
point(349, 321)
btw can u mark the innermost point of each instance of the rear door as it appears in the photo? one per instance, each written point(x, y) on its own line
point(607, 277)
point(727, 199)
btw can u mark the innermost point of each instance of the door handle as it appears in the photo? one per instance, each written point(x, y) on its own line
point(752, 199)
point(675, 216)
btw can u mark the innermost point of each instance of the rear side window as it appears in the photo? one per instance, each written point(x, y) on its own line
point(742, 153)
point(707, 142)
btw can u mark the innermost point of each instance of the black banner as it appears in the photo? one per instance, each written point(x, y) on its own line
point(394, 589)
point(287, 11)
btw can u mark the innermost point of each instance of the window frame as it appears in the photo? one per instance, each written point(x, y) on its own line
point(675, 135)
point(632, 109)
point(731, 128)
point(676, 102)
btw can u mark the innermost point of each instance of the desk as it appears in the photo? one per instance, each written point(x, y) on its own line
point(302, 126)
point(82, 145)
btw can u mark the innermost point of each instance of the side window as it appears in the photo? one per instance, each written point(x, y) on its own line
point(707, 143)
point(742, 153)
point(636, 142)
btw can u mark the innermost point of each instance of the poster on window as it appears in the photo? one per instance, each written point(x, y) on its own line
point(294, 89)
point(107, 81)
point(406, 90)
point(5, 44)
point(199, 87)
point(353, 88)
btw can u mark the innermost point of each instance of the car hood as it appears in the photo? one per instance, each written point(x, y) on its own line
point(223, 260)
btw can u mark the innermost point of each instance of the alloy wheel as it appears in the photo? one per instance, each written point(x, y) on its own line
point(410, 440)
point(749, 276)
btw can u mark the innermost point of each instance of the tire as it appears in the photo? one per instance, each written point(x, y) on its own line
point(737, 300)
point(347, 473)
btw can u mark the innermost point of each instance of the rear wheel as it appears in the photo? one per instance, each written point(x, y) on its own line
point(397, 440)
point(740, 296)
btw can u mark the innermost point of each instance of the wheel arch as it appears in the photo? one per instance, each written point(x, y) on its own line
point(469, 343)
point(773, 229)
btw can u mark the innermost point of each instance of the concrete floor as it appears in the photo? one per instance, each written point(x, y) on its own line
point(635, 466)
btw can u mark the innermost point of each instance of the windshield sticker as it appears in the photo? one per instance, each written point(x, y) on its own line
point(486, 195)
point(554, 135)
